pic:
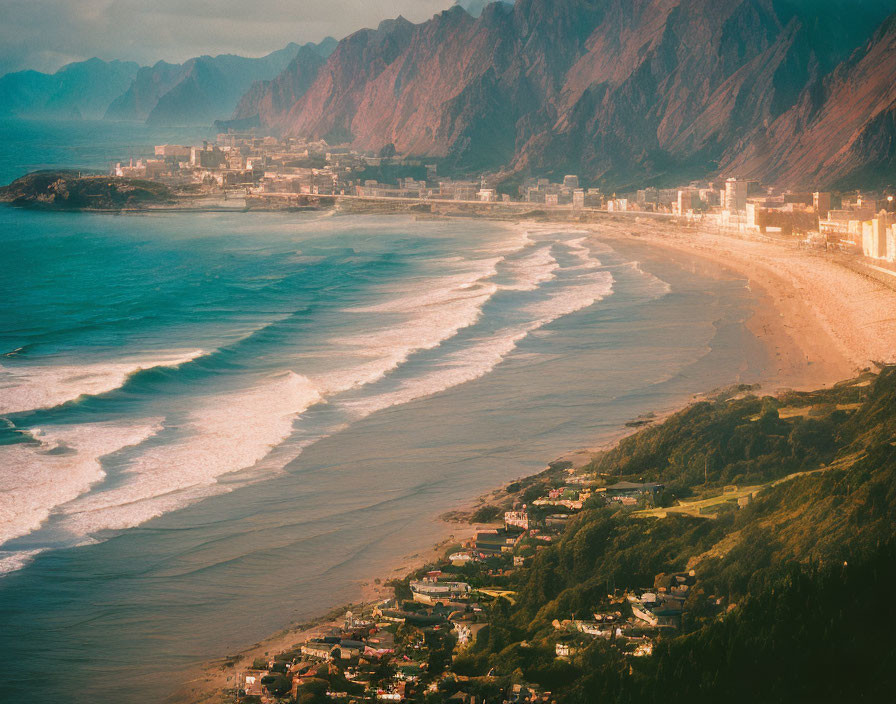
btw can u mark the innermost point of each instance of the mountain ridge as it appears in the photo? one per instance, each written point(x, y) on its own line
point(197, 92)
point(623, 93)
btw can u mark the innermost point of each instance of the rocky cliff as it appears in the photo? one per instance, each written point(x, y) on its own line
point(842, 129)
point(270, 100)
point(620, 91)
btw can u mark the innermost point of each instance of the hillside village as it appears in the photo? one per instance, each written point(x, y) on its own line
point(399, 649)
point(169, 368)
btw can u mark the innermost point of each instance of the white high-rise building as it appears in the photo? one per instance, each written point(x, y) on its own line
point(735, 195)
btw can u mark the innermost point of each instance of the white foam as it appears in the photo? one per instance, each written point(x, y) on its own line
point(234, 431)
point(578, 248)
point(437, 311)
point(10, 561)
point(25, 388)
point(531, 271)
point(35, 479)
point(522, 238)
point(477, 360)
point(223, 433)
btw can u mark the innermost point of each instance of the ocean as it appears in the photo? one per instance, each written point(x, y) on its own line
point(215, 424)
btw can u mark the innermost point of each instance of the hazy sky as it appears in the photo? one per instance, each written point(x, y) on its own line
point(44, 34)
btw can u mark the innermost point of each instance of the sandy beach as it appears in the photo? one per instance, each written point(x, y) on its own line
point(821, 320)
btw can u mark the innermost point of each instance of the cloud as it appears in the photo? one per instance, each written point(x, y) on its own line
point(44, 34)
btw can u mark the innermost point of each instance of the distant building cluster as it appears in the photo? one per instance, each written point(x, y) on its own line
point(268, 166)
point(857, 223)
point(567, 193)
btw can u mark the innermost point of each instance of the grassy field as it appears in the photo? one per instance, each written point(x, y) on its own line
point(699, 507)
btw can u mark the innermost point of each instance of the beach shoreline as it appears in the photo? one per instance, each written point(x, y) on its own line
point(824, 319)
point(816, 334)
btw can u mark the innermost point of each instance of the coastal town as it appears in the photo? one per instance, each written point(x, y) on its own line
point(412, 645)
point(448, 352)
point(269, 172)
point(440, 633)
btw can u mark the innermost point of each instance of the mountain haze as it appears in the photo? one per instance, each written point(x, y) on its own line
point(78, 90)
point(196, 92)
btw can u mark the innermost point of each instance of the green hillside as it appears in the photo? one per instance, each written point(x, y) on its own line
point(790, 601)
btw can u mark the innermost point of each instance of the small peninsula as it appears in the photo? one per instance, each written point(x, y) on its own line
point(70, 190)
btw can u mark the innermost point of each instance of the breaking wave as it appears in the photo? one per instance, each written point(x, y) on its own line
point(28, 388)
point(457, 323)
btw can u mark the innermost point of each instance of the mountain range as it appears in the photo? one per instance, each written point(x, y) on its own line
point(267, 98)
point(622, 92)
point(202, 89)
point(196, 92)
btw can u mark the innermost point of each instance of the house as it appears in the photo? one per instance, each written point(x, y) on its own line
point(332, 649)
point(317, 649)
point(348, 649)
point(657, 610)
point(251, 682)
point(461, 558)
point(516, 519)
point(522, 693)
point(564, 650)
point(495, 541)
point(594, 628)
point(174, 152)
point(645, 648)
point(570, 504)
point(642, 613)
point(432, 592)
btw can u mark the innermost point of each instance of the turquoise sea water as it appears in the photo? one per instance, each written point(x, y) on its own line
point(215, 424)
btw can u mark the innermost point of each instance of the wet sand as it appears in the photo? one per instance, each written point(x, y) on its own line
point(824, 321)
